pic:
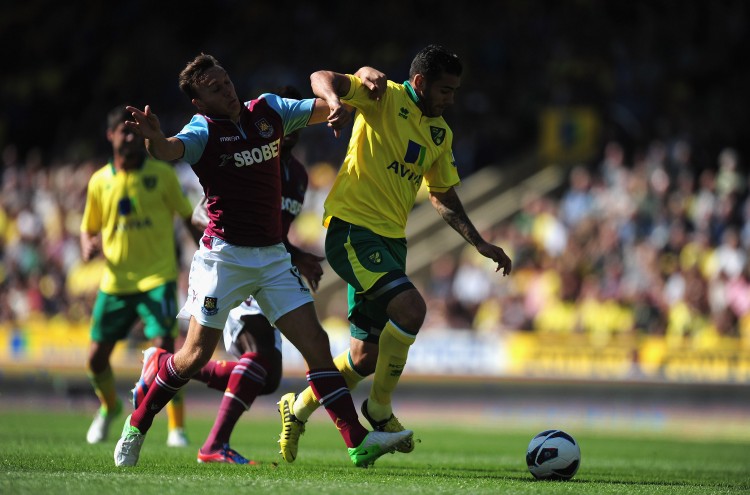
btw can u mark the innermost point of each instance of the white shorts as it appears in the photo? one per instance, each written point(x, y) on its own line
point(235, 325)
point(222, 277)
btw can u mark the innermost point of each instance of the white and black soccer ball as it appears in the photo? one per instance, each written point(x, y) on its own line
point(553, 455)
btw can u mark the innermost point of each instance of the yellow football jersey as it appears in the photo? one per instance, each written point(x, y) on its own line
point(134, 210)
point(392, 149)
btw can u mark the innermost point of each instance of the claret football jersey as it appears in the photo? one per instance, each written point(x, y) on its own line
point(237, 163)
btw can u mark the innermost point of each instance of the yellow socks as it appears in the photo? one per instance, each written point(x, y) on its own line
point(392, 353)
point(306, 403)
point(176, 411)
point(344, 364)
point(104, 387)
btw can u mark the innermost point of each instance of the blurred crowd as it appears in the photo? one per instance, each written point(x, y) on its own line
point(639, 243)
point(648, 237)
point(41, 271)
point(633, 245)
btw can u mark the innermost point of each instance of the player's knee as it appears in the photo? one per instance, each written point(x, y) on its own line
point(96, 365)
point(364, 363)
point(402, 302)
point(273, 380)
point(408, 309)
point(273, 371)
point(98, 359)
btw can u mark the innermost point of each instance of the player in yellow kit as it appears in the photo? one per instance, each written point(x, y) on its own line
point(399, 139)
point(129, 215)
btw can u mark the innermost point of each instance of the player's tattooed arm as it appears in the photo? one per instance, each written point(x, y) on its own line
point(450, 208)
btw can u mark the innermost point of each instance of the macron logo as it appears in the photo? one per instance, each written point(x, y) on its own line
point(229, 139)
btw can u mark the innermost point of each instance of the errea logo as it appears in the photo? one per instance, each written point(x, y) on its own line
point(403, 113)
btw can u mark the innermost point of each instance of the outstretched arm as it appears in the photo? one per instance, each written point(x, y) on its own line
point(146, 124)
point(450, 208)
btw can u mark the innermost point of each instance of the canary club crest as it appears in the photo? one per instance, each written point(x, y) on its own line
point(264, 128)
point(210, 306)
point(149, 182)
point(438, 135)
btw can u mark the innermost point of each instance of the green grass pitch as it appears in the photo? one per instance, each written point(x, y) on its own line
point(46, 452)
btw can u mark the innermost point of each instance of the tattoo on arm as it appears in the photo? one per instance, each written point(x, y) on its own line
point(452, 211)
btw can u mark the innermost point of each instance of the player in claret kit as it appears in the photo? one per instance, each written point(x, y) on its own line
point(248, 335)
point(234, 149)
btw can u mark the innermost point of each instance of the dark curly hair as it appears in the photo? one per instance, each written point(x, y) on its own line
point(434, 60)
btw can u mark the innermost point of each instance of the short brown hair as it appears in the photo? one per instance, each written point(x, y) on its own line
point(192, 75)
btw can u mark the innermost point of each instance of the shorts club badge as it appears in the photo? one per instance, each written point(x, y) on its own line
point(210, 306)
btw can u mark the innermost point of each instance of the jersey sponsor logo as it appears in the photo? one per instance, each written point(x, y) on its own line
point(291, 206)
point(405, 173)
point(264, 128)
point(124, 206)
point(135, 224)
point(403, 113)
point(437, 134)
point(149, 182)
point(128, 219)
point(260, 154)
point(415, 153)
point(210, 306)
point(229, 139)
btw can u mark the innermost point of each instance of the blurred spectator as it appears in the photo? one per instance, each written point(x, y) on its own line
point(577, 202)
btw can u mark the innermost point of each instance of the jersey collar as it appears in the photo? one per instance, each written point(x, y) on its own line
point(114, 169)
point(410, 91)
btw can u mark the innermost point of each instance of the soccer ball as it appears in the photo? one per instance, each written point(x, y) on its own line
point(553, 455)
